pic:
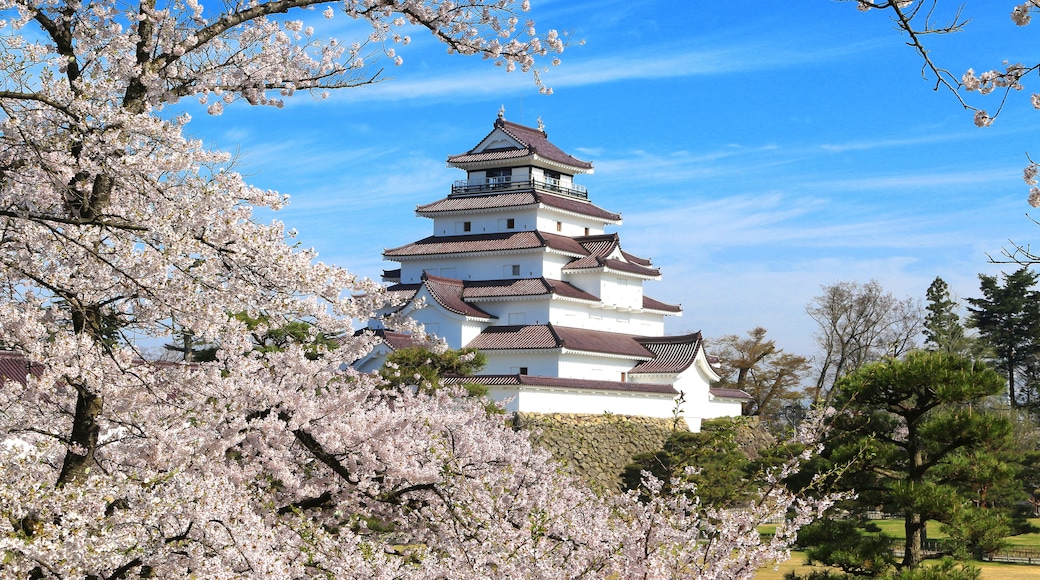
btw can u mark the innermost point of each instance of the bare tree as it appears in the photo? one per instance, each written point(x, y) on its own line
point(858, 324)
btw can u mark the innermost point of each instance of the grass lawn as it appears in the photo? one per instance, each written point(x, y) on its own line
point(894, 529)
point(990, 570)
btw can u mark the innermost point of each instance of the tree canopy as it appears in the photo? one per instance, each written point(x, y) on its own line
point(756, 366)
point(858, 324)
point(264, 462)
point(1007, 317)
point(913, 435)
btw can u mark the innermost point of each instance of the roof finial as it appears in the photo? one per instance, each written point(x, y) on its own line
point(541, 125)
point(502, 112)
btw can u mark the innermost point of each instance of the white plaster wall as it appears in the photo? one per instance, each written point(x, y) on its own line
point(646, 324)
point(545, 400)
point(477, 267)
point(437, 321)
point(507, 363)
point(625, 292)
point(587, 281)
point(486, 223)
point(469, 330)
point(534, 311)
point(593, 367)
point(552, 266)
point(722, 408)
point(568, 225)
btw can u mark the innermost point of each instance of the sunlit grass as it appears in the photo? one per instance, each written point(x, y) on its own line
point(895, 529)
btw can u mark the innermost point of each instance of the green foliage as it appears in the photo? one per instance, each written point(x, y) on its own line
point(270, 338)
point(978, 530)
point(915, 437)
point(723, 474)
point(192, 349)
point(1008, 320)
point(856, 547)
point(942, 325)
point(944, 569)
point(416, 365)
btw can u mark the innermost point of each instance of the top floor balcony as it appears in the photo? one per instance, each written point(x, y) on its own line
point(507, 183)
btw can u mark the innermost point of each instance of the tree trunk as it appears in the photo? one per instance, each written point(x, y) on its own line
point(912, 554)
point(80, 455)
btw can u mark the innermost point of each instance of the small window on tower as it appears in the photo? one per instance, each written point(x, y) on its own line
point(467, 226)
point(510, 223)
point(523, 370)
point(559, 226)
point(586, 230)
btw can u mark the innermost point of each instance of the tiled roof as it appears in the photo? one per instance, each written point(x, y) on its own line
point(600, 247)
point(548, 336)
point(515, 199)
point(533, 142)
point(473, 202)
point(577, 206)
point(395, 340)
point(516, 337)
point(730, 394)
point(15, 367)
point(536, 381)
point(635, 259)
point(592, 262)
point(523, 287)
point(402, 292)
point(466, 244)
point(448, 293)
point(392, 275)
point(672, 354)
point(568, 290)
point(435, 245)
point(651, 304)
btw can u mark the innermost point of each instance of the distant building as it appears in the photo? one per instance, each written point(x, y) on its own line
point(520, 267)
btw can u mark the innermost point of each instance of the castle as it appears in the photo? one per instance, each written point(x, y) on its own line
point(520, 267)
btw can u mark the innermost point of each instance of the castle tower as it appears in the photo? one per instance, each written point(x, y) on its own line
point(520, 266)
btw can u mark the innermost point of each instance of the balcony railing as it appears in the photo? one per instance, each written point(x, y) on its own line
point(497, 184)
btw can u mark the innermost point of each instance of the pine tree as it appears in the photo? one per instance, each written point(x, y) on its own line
point(942, 325)
point(1008, 320)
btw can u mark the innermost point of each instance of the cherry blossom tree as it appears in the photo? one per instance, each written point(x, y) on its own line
point(263, 462)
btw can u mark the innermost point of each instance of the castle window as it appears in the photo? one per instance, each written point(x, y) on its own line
point(552, 178)
point(586, 230)
point(507, 224)
point(559, 226)
point(511, 270)
point(498, 177)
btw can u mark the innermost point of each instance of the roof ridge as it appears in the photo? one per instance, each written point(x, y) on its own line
point(556, 335)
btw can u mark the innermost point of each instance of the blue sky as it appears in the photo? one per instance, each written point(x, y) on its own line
point(756, 151)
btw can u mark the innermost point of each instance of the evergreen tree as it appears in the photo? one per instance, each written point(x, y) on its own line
point(1008, 320)
point(911, 436)
point(942, 325)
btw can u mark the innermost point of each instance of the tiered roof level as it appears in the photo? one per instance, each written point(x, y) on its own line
point(519, 226)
